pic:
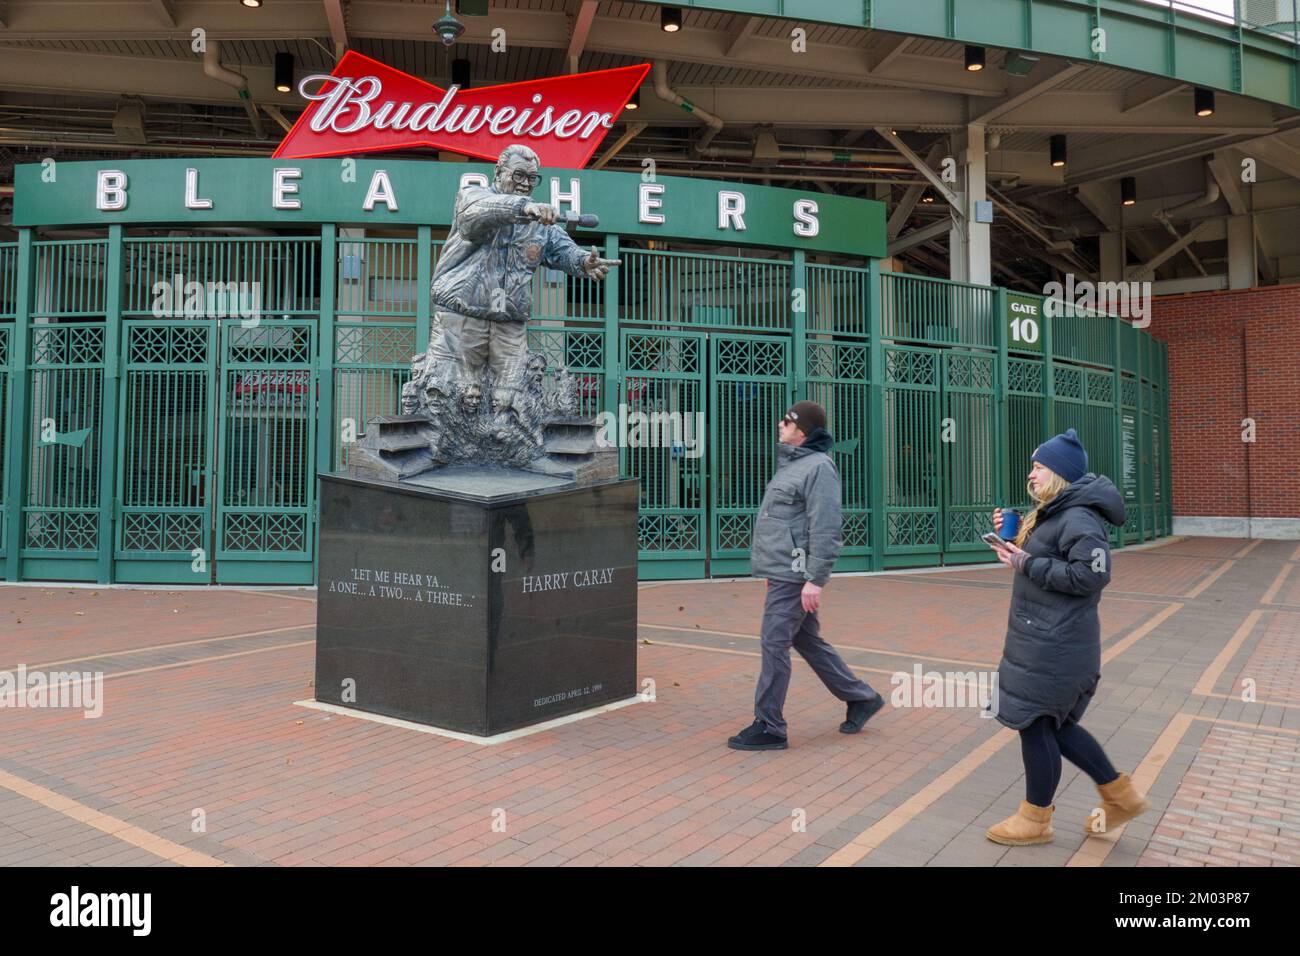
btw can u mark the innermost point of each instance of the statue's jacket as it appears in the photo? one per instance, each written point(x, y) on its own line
point(487, 264)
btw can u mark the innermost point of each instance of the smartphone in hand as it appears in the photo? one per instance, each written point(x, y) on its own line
point(993, 541)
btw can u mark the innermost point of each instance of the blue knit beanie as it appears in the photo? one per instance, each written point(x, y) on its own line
point(1064, 455)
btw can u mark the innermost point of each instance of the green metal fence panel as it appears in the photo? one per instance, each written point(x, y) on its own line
point(1147, 461)
point(164, 451)
point(581, 350)
point(376, 277)
point(1098, 432)
point(6, 378)
point(1068, 398)
point(1026, 428)
point(216, 277)
point(1129, 453)
point(911, 450)
point(937, 311)
point(1128, 347)
point(838, 380)
point(664, 373)
point(557, 295)
point(837, 302)
point(70, 278)
point(969, 448)
point(372, 361)
point(266, 451)
point(8, 280)
point(721, 292)
point(65, 424)
point(751, 387)
point(1082, 337)
point(731, 339)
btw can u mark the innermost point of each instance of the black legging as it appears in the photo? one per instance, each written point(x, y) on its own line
point(1042, 746)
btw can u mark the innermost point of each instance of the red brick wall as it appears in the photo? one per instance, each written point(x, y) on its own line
point(1233, 354)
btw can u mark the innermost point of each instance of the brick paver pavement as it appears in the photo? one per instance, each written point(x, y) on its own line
point(201, 757)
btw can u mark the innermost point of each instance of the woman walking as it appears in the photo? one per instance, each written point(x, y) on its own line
point(1051, 661)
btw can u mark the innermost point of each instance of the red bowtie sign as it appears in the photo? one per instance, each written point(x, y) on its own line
point(367, 107)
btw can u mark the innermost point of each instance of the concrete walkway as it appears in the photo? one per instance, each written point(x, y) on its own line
point(201, 757)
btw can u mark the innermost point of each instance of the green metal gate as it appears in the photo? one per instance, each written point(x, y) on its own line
point(372, 361)
point(61, 515)
point(147, 445)
point(750, 388)
point(837, 378)
point(968, 443)
point(664, 372)
point(941, 435)
point(267, 451)
point(911, 439)
point(163, 507)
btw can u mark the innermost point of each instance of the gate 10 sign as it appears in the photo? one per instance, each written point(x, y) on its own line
point(1024, 323)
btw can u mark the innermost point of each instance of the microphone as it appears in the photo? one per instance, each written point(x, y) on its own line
point(586, 220)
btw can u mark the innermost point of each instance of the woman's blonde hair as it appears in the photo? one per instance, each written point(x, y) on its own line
point(1054, 485)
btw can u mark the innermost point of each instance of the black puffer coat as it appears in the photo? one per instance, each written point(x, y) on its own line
point(1051, 661)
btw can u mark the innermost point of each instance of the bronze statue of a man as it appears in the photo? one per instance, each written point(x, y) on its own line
point(482, 287)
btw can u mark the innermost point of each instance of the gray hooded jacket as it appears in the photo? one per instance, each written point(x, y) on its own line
point(797, 531)
point(1051, 660)
point(487, 251)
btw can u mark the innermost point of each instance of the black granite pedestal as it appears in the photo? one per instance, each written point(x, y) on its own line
point(475, 600)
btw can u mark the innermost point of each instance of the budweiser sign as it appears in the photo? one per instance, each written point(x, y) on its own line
point(367, 107)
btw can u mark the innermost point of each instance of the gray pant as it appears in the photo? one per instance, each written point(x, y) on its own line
point(786, 624)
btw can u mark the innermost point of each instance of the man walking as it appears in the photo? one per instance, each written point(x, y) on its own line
point(796, 541)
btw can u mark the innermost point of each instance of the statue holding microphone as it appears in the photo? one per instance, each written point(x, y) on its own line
point(482, 287)
point(476, 391)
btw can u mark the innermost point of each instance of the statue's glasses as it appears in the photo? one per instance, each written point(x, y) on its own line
point(522, 178)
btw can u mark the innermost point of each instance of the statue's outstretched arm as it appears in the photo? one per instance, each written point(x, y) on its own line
point(479, 211)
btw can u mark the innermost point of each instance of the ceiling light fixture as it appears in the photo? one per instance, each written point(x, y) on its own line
point(1128, 190)
point(1057, 146)
point(670, 19)
point(284, 72)
point(974, 58)
point(1204, 100)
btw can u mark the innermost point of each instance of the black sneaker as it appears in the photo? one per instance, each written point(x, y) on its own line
point(859, 712)
point(755, 737)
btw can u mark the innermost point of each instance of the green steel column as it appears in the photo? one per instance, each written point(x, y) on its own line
point(876, 413)
point(19, 437)
point(329, 264)
point(1001, 426)
point(799, 322)
point(325, 359)
point(423, 283)
point(108, 424)
point(613, 387)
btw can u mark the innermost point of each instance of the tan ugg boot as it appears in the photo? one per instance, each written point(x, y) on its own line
point(1030, 825)
point(1120, 803)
